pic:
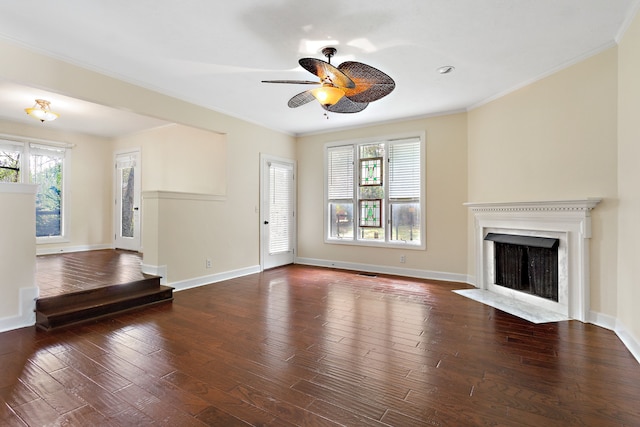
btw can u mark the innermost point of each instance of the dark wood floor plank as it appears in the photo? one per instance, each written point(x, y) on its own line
point(8, 417)
point(343, 416)
point(219, 401)
point(153, 407)
point(37, 413)
point(312, 346)
point(84, 416)
point(282, 409)
point(356, 402)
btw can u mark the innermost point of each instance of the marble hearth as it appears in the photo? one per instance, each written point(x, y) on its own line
point(569, 221)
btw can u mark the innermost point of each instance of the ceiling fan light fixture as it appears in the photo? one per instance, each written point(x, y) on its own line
point(41, 110)
point(328, 95)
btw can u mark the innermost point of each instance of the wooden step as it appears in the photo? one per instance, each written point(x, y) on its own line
point(78, 307)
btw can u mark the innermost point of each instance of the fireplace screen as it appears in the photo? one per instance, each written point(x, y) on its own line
point(527, 264)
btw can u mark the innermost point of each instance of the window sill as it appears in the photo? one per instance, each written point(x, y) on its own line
point(385, 245)
point(51, 240)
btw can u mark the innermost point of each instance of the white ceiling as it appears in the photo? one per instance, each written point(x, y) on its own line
point(215, 53)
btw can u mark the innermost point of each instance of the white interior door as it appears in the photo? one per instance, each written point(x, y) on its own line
point(277, 215)
point(127, 203)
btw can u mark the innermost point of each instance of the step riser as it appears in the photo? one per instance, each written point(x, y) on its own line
point(98, 294)
point(88, 314)
point(80, 307)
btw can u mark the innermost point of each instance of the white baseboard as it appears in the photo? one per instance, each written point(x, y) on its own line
point(26, 315)
point(381, 269)
point(181, 285)
point(156, 270)
point(613, 324)
point(602, 320)
point(629, 340)
point(67, 249)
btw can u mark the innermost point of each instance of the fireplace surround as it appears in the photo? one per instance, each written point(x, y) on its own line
point(568, 221)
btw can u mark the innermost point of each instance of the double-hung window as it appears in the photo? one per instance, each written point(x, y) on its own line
point(42, 164)
point(375, 194)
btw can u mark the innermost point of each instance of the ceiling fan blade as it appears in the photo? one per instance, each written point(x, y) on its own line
point(345, 105)
point(292, 82)
point(301, 99)
point(371, 83)
point(327, 72)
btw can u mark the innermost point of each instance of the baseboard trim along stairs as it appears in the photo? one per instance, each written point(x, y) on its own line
point(83, 306)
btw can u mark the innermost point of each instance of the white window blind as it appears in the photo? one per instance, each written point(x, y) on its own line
point(404, 169)
point(340, 173)
point(280, 208)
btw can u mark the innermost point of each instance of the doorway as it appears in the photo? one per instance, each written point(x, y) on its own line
point(277, 212)
point(127, 201)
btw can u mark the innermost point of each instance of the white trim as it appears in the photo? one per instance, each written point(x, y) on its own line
point(611, 323)
point(547, 205)
point(134, 243)
point(568, 220)
point(627, 338)
point(26, 315)
point(155, 270)
point(178, 195)
point(602, 320)
point(387, 139)
point(369, 268)
point(214, 278)
point(66, 201)
point(631, 16)
point(544, 75)
point(281, 259)
point(29, 140)
point(66, 249)
point(31, 146)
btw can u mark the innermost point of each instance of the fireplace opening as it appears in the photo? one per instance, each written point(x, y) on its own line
point(526, 264)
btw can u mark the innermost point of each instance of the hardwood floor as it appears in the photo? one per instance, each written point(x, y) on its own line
point(64, 273)
point(310, 346)
point(83, 286)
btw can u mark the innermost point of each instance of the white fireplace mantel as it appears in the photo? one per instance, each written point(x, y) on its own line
point(568, 220)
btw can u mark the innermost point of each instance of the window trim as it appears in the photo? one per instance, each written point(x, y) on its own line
point(25, 174)
point(354, 241)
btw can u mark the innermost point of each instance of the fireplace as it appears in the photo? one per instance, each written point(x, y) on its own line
point(553, 236)
point(526, 264)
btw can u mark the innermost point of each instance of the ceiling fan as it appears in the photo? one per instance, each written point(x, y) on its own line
point(347, 88)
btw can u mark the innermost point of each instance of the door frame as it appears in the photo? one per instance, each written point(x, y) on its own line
point(264, 249)
point(116, 215)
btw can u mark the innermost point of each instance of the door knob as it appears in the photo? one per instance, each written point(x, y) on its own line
point(266, 222)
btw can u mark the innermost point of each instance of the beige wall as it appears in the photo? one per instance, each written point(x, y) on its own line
point(229, 228)
point(446, 188)
point(17, 249)
point(571, 135)
point(180, 158)
point(90, 185)
point(629, 180)
point(556, 139)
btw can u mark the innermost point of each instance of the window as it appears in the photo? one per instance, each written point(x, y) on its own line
point(46, 168)
point(374, 193)
point(10, 161)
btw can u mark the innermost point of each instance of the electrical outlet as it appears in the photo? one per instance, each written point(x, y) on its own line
point(208, 263)
point(403, 259)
